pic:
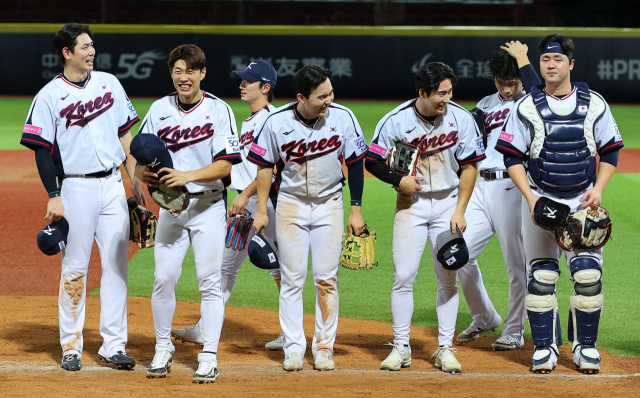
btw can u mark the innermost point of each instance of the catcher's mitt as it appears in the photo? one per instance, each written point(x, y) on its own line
point(358, 251)
point(238, 229)
point(174, 200)
point(402, 158)
point(143, 224)
point(588, 229)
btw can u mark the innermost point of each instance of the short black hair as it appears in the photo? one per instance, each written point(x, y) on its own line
point(67, 37)
point(429, 76)
point(310, 77)
point(270, 94)
point(565, 43)
point(503, 66)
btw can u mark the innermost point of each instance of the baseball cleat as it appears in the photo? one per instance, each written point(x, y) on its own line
point(446, 359)
point(190, 334)
point(587, 358)
point(71, 362)
point(400, 357)
point(277, 344)
point(544, 359)
point(207, 369)
point(292, 362)
point(162, 361)
point(473, 332)
point(507, 343)
point(121, 360)
point(323, 361)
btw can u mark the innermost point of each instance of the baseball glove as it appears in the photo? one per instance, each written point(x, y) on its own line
point(143, 224)
point(480, 119)
point(238, 229)
point(174, 200)
point(588, 229)
point(358, 251)
point(402, 158)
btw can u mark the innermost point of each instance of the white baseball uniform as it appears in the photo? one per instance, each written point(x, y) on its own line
point(444, 145)
point(196, 138)
point(310, 212)
point(81, 124)
point(494, 209)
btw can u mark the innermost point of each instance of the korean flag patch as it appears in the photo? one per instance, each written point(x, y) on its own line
point(206, 118)
point(104, 87)
point(359, 145)
point(451, 261)
point(231, 144)
point(479, 146)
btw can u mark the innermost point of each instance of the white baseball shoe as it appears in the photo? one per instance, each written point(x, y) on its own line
point(587, 358)
point(474, 331)
point(507, 343)
point(323, 360)
point(545, 359)
point(207, 369)
point(446, 359)
point(277, 344)
point(400, 357)
point(292, 362)
point(190, 334)
point(162, 361)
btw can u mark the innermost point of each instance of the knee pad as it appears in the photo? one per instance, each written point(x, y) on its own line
point(543, 277)
point(542, 312)
point(586, 274)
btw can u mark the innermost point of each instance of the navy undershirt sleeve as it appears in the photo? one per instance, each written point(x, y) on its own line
point(611, 158)
point(356, 182)
point(47, 171)
point(529, 78)
point(511, 161)
point(381, 171)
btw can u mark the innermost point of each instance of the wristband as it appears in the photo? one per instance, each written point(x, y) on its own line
point(54, 194)
point(356, 203)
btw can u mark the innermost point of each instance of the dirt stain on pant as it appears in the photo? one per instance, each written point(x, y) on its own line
point(74, 287)
point(327, 299)
point(74, 344)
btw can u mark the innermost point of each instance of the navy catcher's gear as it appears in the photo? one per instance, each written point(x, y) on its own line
point(238, 229)
point(479, 117)
point(562, 158)
point(453, 252)
point(541, 303)
point(263, 252)
point(53, 238)
point(549, 214)
point(586, 302)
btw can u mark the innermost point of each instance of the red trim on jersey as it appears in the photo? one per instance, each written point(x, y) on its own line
point(37, 142)
point(563, 98)
point(415, 110)
point(501, 98)
point(479, 158)
point(64, 79)
point(610, 146)
point(254, 115)
point(356, 159)
point(510, 150)
point(128, 126)
point(204, 94)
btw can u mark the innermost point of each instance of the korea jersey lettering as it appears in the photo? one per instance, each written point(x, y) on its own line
point(309, 158)
point(451, 140)
point(515, 140)
point(195, 138)
point(496, 110)
point(243, 174)
point(80, 125)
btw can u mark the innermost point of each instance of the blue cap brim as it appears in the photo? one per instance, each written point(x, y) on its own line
point(246, 76)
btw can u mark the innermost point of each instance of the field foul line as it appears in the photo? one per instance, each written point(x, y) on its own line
point(278, 370)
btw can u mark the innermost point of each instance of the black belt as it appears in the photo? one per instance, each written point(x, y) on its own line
point(493, 175)
point(99, 174)
point(208, 191)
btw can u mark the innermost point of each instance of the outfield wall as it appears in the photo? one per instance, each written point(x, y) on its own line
point(367, 62)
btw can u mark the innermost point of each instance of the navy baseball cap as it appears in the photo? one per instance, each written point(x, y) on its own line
point(453, 252)
point(258, 71)
point(263, 252)
point(53, 237)
point(151, 151)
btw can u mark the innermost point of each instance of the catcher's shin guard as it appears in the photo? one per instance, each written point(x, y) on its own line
point(541, 303)
point(586, 302)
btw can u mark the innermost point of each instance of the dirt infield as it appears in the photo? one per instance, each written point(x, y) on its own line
point(30, 350)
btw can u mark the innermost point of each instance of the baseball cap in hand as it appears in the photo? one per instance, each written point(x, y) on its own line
point(258, 71)
point(53, 237)
point(263, 252)
point(453, 252)
point(150, 151)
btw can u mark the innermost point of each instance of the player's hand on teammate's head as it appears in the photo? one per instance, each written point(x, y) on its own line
point(515, 48)
point(410, 184)
point(55, 209)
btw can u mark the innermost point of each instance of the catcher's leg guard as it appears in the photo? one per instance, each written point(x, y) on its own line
point(541, 304)
point(586, 302)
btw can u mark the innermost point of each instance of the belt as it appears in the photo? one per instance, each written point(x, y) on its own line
point(493, 175)
point(99, 174)
point(206, 192)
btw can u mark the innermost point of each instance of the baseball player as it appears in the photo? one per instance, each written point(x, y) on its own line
point(557, 129)
point(494, 207)
point(308, 140)
point(258, 81)
point(200, 132)
point(429, 202)
point(78, 125)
